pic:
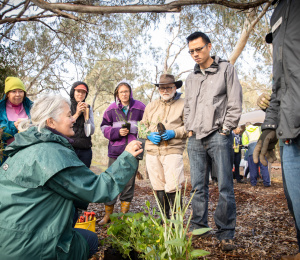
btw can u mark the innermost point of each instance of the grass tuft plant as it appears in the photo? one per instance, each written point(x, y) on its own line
point(177, 244)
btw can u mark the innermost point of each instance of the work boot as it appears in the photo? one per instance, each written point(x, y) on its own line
point(227, 245)
point(125, 206)
point(164, 202)
point(108, 211)
point(295, 257)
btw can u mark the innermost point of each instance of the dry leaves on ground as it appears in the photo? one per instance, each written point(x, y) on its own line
point(264, 228)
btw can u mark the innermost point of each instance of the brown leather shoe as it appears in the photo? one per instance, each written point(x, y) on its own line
point(125, 206)
point(295, 257)
point(108, 211)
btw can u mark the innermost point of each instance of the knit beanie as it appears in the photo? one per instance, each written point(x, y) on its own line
point(12, 83)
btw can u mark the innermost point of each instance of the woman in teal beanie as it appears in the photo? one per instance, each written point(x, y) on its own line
point(14, 107)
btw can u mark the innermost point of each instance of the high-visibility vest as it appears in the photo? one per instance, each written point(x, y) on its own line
point(253, 135)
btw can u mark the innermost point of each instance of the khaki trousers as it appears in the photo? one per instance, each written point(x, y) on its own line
point(165, 171)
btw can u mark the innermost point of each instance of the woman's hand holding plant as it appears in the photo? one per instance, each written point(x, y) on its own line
point(124, 131)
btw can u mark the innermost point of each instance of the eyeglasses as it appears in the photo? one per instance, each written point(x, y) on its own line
point(164, 88)
point(198, 50)
point(124, 92)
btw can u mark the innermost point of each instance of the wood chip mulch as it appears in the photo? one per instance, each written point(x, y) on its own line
point(264, 228)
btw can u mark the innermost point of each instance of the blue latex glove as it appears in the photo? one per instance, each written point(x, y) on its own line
point(168, 134)
point(154, 137)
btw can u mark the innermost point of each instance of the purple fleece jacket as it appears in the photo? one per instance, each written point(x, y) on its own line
point(113, 119)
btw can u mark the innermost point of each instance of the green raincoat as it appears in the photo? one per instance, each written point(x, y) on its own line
point(38, 183)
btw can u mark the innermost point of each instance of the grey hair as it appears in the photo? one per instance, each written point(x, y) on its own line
point(45, 107)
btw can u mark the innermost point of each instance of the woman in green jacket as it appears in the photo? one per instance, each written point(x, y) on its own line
point(41, 180)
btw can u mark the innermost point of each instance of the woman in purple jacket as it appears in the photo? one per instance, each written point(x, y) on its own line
point(119, 126)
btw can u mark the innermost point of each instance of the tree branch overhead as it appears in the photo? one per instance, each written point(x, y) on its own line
point(64, 9)
point(174, 6)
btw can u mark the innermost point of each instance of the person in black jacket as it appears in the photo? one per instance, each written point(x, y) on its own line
point(83, 114)
point(282, 116)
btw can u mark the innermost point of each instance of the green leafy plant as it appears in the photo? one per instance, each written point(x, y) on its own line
point(142, 130)
point(144, 233)
point(134, 231)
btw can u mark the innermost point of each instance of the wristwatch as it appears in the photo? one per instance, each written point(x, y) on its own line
point(224, 131)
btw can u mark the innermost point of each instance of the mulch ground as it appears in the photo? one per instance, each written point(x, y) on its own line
point(264, 228)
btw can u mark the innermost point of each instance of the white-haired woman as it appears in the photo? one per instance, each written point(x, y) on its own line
point(41, 180)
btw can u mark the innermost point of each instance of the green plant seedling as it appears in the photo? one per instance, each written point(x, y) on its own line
point(143, 132)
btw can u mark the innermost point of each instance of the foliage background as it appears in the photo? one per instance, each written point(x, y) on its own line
point(49, 51)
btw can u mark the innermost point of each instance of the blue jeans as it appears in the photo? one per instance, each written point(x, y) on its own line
point(253, 168)
point(215, 146)
point(91, 238)
point(291, 173)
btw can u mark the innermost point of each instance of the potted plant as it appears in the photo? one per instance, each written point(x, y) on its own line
point(130, 234)
point(126, 125)
point(142, 234)
point(142, 136)
point(122, 118)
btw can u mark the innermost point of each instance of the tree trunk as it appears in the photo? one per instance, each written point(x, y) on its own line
point(248, 27)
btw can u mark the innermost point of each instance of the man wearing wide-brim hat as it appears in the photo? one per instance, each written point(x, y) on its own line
point(164, 158)
point(166, 79)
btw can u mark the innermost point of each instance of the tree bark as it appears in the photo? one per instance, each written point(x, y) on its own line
point(62, 9)
point(174, 6)
point(248, 27)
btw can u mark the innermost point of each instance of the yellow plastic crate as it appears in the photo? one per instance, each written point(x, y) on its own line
point(89, 225)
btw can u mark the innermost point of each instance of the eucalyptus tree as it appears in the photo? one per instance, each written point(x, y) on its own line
point(7, 66)
point(50, 56)
point(75, 35)
point(104, 76)
point(229, 32)
point(19, 11)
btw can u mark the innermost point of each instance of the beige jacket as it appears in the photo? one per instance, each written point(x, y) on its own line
point(171, 115)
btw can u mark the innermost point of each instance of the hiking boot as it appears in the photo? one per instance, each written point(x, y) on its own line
point(295, 257)
point(227, 245)
point(108, 211)
point(125, 206)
